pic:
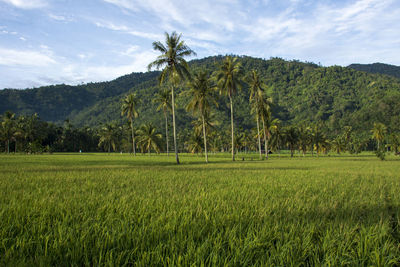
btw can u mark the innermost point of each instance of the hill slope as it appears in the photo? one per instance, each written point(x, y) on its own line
point(380, 68)
point(302, 92)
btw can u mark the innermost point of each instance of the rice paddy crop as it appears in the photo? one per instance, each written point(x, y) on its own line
point(99, 209)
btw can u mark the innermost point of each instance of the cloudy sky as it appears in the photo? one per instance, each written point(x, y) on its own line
point(73, 41)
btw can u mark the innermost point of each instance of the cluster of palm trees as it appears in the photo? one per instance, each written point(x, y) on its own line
point(202, 86)
point(228, 80)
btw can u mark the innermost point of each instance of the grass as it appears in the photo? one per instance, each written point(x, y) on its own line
point(99, 209)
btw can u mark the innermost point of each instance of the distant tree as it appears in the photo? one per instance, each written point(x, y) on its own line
point(291, 138)
point(202, 98)
point(175, 68)
point(228, 79)
point(378, 133)
point(163, 98)
point(8, 128)
point(108, 137)
point(129, 108)
point(194, 143)
point(149, 138)
point(305, 138)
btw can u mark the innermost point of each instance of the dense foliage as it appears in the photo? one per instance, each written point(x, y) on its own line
point(378, 68)
point(301, 92)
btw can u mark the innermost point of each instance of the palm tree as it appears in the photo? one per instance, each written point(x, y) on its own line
point(229, 81)
point(8, 128)
point(291, 138)
point(264, 109)
point(108, 136)
point(277, 137)
point(318, 138)
point(256, 93)
point(304, 138)
point(149, 138)
point(194, 142)
point(201, 91)
point(175, 67)
point(129, 104)
point(378, 132)
point(164, 99)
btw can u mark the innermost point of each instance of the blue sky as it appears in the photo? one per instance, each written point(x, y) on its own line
point(77, 41)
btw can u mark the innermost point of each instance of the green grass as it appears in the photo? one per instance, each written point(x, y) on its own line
point(99, 209)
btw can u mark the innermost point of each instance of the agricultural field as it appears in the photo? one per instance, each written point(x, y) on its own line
point(113, 209)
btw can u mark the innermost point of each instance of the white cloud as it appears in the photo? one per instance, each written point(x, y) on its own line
point(11, 57)
point(60, 18)
point(22, 38)
point(127, 30)
point(26, 4)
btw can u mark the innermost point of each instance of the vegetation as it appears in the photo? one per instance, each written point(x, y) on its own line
point(99, 209)
point(175, 68)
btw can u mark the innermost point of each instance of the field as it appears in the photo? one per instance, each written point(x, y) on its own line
point(99, 209)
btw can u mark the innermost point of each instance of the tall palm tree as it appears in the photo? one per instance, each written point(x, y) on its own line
point(129, 104)
point(264, 110)
point(163, 98)
point(149, 138)
point(229, 82)
point(378, 132)
point(256, 93)
point(201, 91)
point(175, 68)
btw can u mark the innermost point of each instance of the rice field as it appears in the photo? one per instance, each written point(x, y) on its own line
point(106, 210)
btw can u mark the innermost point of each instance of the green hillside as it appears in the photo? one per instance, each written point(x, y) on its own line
point(302, 92)
point(378, 68)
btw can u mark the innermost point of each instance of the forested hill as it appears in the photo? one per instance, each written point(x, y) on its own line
point(381, 68)
point(302, 92)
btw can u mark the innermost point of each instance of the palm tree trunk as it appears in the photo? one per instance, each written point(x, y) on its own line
point(166, 130)
point(8, 146)
point(173, 124)
point(15, 148)
point(233, 140)
point(133, 139)
point(258, 135)
point(205, 139)
point(265, 139)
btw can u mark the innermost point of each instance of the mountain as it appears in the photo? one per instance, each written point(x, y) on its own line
point(381, 68)
point(302, 92)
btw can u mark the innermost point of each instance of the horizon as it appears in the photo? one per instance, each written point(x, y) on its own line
point(48, 43)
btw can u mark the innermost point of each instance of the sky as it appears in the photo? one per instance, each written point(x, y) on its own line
point(45, 42)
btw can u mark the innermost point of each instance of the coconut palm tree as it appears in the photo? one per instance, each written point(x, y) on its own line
point(378, 132)
point(129, 104)
point(175, 68)
point(108, 137)
point(256, 87)
point(163, 98)
point(8, 128)
point(194, 142)
point(291, 138)
point(202, 93)
point(277, 137)
point(229, 82)
point(149, 138)
point(264, 109)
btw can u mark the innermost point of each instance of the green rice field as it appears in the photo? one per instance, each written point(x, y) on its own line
point(121, 210)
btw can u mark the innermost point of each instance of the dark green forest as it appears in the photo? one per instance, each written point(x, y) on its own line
point(303, 94)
